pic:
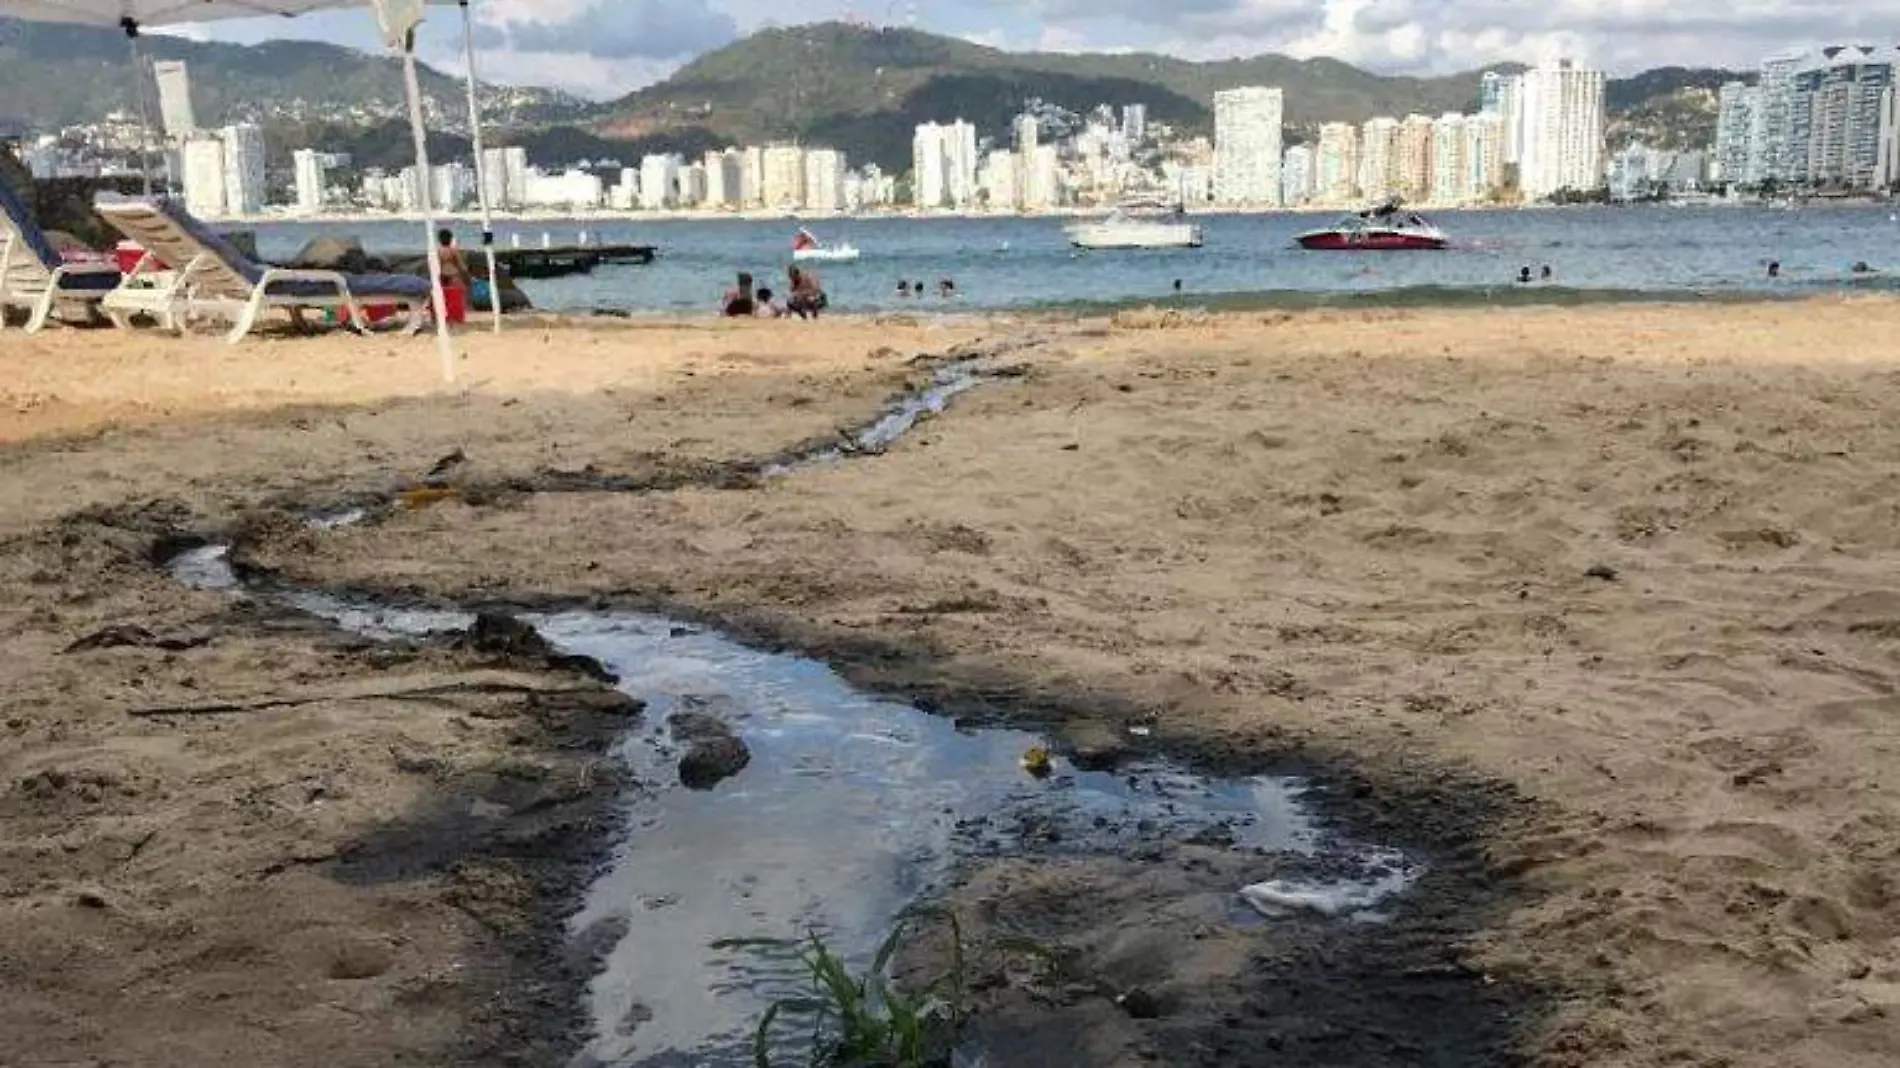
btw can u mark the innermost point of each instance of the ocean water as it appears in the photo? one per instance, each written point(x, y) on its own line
point(1013, 263)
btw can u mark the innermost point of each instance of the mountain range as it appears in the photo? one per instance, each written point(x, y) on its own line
point(856, 87)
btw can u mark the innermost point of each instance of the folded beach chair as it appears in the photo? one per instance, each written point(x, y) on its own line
point(32, 275)
point(206, 276)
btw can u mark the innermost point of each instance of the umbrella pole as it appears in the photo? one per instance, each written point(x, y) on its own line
point(424, 196)
point(481, 170)
point(131, 28)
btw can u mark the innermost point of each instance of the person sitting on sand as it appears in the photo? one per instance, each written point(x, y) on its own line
point(737, 303)
point(764, 307)
point(808, 294)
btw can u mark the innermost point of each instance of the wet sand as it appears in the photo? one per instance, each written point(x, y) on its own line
point(1631, 563)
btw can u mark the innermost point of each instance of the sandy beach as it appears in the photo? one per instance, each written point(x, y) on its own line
point(1592, 606)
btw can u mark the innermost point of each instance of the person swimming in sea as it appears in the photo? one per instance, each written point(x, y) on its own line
point(1524, 275)
point(1774, 268)
point(903, 289)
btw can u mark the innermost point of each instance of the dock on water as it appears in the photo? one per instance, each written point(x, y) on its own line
point(559, 261)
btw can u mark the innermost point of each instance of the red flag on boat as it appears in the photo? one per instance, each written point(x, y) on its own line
point(804, 240)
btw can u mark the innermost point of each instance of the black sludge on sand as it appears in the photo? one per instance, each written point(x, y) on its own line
point(773, 797)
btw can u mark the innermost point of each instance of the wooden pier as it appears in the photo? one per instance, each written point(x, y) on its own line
point(559, 261)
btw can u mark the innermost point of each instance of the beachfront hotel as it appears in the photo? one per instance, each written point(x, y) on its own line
point(1247, 146)
point(1563, 126)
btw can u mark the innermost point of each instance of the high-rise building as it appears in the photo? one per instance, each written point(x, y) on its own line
point(1296, 176)
point(1412, 159)
point(310, 168)
point(451, 185)
point(1841, 131)
point(514, 163)
point(1042, 179)
point(751, 177)
point(692, 185)
point(1026, 134)
point(782, 184)
point(1247, 145)
point(1336, 163)
point(1563, 130)
point(824, 180)
point(243, 169)
point(1379, 159)
point(203, 161)
point(1484, 155)
point(1451, 171)
point(659, 182)
point(943, 165)
point(1000, 180)
point(174, 98)
point(724, 178)
point(1776, 105)
point(1135, 122)
point(1502, 95)
point(1734, 126)
point(495, 179)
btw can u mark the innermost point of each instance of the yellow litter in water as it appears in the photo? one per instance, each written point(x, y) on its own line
point(1036, 761)
point(424, 496)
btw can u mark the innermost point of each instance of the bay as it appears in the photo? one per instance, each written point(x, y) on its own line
point(1026, 263)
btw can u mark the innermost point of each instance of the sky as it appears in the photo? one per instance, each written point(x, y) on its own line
point(604, 48)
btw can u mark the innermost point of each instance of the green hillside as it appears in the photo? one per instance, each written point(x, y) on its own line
point(54, 75)
point(864, 88)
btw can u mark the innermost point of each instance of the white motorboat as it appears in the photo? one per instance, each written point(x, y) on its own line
point(807, 247)
point(1120, 230)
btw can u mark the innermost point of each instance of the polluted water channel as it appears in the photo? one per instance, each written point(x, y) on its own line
point(850, 809)
point(846, 809)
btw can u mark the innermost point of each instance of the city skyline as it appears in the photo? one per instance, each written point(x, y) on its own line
point(1827, 118)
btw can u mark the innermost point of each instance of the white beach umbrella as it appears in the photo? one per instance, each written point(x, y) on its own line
point(398, 19)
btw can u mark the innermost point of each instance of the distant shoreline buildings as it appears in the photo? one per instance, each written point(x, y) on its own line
point(1821, 120)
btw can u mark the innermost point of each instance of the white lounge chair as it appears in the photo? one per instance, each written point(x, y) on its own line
point(209, 277)
point(34, 277)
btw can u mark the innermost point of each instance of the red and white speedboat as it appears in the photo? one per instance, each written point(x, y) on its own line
point(1384, 229)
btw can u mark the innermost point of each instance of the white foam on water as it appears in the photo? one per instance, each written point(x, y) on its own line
point(1389, 873)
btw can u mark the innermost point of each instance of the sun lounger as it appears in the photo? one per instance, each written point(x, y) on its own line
point(207, 276)
point(32, 275)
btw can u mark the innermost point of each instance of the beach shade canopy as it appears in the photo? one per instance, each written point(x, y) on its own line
point(398, 19)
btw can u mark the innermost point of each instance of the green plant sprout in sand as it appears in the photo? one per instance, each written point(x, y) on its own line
point(868, 1021)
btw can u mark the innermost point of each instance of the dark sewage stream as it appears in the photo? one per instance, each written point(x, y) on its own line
point(851, 809)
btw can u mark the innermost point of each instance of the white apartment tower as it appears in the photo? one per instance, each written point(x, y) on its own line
point(724, 178)
point(659, 182)
point(203, 161)
point(1247, 145)
point(1502, 95)
point(495, 178)
point(1734, 126)
point(782, 180)
point(310, 168)
point(243, 169)
point(1776, 106)
point(1484, 155)
point(1336, 163)
point(824, 180)
point(1379, 158)
point(1563, 130)
point(943, 165)
point(1296, 176)
point(1450, 169)
point(174, 98)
